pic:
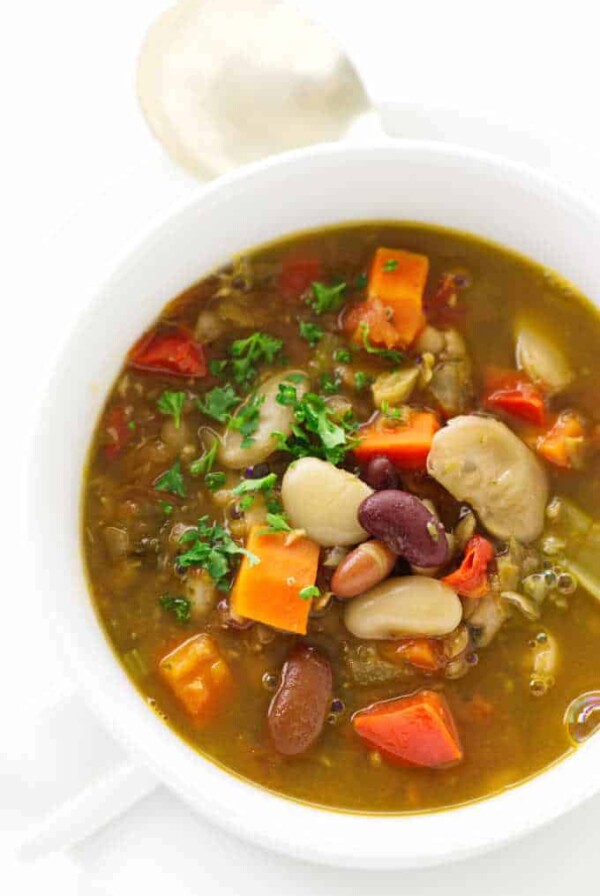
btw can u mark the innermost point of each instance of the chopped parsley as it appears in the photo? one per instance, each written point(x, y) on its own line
point(326, 298)
point(214, 481)
point(204, 463)
point(342, 355)
point(313, 333)
point(329, 384)
point(166, 507)
point(247, 353)
point(131, 425)
point(180, 607)
point(309, 592)
point(361, 281)
point(172, 403)
point(218, 403)
point(217, 367)
point(314, 433)
point(172, 481)
point(398, 414)
point(390, 265)
point(247, 419)
point(213, 549)
point(251, 486)
point(276, 522)
point(362, 379)
point(389, 354)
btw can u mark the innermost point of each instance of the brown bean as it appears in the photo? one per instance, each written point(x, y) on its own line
point(406, 526)
point(363, 568)
point(298, 709)
point(380, 473)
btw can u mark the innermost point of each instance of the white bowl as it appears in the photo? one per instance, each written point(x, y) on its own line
point(425, 182)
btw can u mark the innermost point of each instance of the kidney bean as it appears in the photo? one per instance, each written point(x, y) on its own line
point(406, 526)
point(380, 473)
point(364, 567)
point(299, 708)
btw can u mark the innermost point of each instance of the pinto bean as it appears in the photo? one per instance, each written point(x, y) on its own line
point(363, 568)
point(406, 526)
point(298, 709)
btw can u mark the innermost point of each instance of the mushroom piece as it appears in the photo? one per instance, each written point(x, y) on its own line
point(273, 417)
point(479, 460)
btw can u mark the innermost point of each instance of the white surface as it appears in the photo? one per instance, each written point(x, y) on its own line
point(73, 143)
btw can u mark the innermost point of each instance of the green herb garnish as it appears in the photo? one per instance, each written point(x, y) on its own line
point(131, 425)
point(247, 353)
point(314, 433)
point(213, 549)
point(276, 522)
point(217, 367)
point(180, 607)
point(172, 403)
point(389, 354)
point(166, 507)
point(218, 402)
point(342, 355)
point(313, 333)
point(309, 592)
point(214, 481)
point(393, 413)
point(252, 486)
point(204, 463)
point(361, 281)
point(247, 419)
point(362, 379)
point(172, 481)
point(390, 265)
point(326, 298)
point(329, 384)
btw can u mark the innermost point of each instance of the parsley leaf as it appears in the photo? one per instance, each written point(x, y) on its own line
point(180, 607)
point(217, 367)
point(172, 481)
point(309, 592)
point(166, 508)
point(251, 486)
point(314, 433)
point(311, 332)
point(362, 379)
point(214, 481)
point(205, 462)
point(276, 522)
point(399, 414)
point(213, 549)
point(361, 281)
point(247, 353)
point(329, 384)
point(390, 265)
point(342, 355)
point(131, 425)
point(247, 419)
point(172, 403)
point(326, 298)
point(389, 354)
point(218, 402)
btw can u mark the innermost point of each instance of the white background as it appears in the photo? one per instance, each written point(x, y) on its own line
point(80, 175)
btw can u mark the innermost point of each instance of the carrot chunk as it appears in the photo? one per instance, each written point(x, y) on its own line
point(198, 675)
point(406, 443)
point(565, 443)
point(269, 591)
point(423, 653)
point(396, 281)
point(415, 730)
point(511, 392)
point(471, 579)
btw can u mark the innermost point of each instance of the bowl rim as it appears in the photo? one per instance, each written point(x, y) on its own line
point(293, 828)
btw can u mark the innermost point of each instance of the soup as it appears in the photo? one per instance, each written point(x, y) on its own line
point(339, 511)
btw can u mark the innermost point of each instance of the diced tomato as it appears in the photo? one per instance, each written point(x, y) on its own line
point(296, 275)
point(169, 351)
point(471, 579)
point(414, 730)
point(511, 392)
point(443, 307)
point(379, 321)
point(199, 676)
point(116, 430)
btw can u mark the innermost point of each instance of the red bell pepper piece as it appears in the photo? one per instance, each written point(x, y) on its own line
point(296, 275)
point(415, 730)
point(169, 351)
point(117, 431)
point(471, 578)
point(511, 392)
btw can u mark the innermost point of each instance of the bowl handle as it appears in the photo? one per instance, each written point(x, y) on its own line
point(80, 745)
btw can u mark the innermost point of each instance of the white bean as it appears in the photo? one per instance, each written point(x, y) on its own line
point(324, 501)
point(273, 417)
point(404, 607)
